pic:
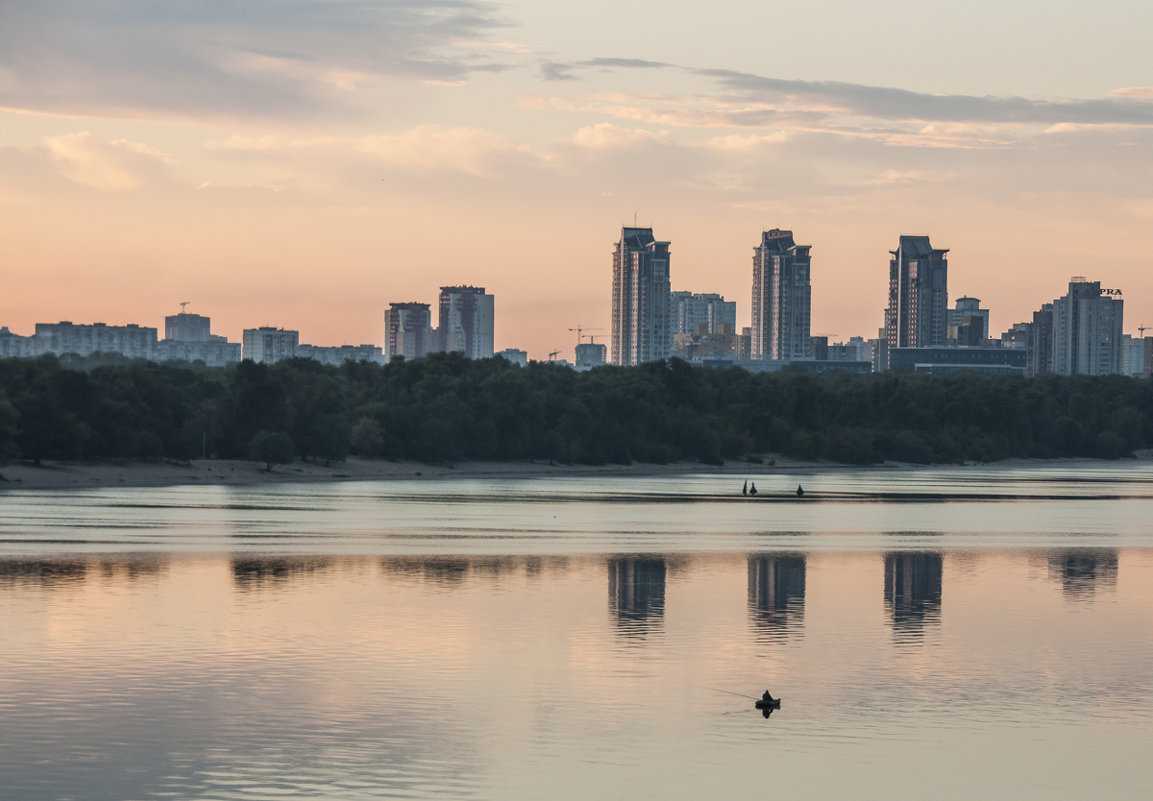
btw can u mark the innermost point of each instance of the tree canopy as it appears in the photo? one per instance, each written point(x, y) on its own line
point(446, 408)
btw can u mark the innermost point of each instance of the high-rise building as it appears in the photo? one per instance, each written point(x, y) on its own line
point(917, 316)
point(268, 345)
point(1087, 330)
point(781, 297)
point(691, 312)
point(641, 291)
point(1041, 342)
point(589, 355)
point(408, 330)
point(466, 321)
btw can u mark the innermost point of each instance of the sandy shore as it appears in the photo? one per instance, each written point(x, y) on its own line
point(60, 475)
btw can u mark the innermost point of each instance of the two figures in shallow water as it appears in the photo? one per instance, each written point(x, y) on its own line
point(751, 489)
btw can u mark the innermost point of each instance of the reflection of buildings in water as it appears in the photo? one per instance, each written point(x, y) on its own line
point(637, 593)
point(776, 592)
point(455, 571)
point(1081, 572)
point(56, 573)
point(262, 572)
point(913, 590)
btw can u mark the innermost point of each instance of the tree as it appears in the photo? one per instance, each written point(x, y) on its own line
point(271, 447)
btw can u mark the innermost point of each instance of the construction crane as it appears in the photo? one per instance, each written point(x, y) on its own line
point(1141, 330)
point(552, 356)
point(578, 330)
point(183, 303)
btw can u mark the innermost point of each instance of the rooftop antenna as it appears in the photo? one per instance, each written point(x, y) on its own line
point(634, 219)
point(183, 303)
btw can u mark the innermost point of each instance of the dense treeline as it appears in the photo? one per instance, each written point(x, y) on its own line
point(446, 408)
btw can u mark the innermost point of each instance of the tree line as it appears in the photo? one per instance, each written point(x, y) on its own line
point(445, 408)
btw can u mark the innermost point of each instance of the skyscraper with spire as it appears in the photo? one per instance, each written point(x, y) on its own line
point(641, 287)
point(782, 297)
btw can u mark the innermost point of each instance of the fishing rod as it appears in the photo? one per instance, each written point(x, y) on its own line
point(730, 692)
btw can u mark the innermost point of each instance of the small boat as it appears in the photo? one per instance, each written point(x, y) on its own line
point(774, 703)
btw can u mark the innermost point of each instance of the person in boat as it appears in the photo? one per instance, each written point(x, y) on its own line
point(800, 491)
point(753, 489)
point(768, 698)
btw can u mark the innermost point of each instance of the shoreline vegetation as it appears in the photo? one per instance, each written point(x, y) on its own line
point(97, 419)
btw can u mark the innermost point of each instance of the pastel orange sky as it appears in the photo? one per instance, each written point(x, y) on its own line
point(303, 163)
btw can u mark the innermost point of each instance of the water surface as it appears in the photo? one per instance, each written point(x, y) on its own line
point(947, 633)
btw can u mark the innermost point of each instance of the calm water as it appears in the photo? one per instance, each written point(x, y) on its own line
point(952, 633)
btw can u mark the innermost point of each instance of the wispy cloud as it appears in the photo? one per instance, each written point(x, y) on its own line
point(116, 166)
point(216, 57)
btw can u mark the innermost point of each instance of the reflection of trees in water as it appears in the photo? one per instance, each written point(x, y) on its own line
point(913, 590)
point(1082, 571)
point(453, 571)
point(59, 573)
point(637, 593)
point(776, 593)
point(264, 572)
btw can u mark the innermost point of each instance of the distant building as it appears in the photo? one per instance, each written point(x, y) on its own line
point(855, 350)
point(268, 345)
point(1017, 337)
point(942, 361)
point(782, 297)
point(1087, 330)
point(641, 288)
point(1041, 342)
point(918, 295)
point(689, 311)
point(466, 321)
point(590, 354)
point(1132, 355)
point(215, 352)
point(338, 355)
point(1148, 371)
point(705, 346)
point(189, 338)
point(968, 324)
point(185, 327)
point(132, 341)
point(516, 356)
point(408, 330)
point(14, 346)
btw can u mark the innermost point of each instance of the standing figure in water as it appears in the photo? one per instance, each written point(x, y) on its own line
point(753, 489)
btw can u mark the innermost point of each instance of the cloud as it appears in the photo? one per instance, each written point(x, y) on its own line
point(606, 136)
point(116, 166)
point(904, 105)
point(425, 148)
point(1134, 93)
point(264, 58)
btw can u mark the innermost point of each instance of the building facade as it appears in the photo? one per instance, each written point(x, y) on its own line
point(641, 290)
point(186, 327)
point(968, 324)
point(466, 321)
point(132, 341)
point(1087, 326)
point(268, 345)
point(408, 330)
point(782, 296)
point(696, 313)
point(917, 315)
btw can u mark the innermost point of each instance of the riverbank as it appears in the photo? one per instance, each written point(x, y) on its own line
point(64, 475)
point(60, 475)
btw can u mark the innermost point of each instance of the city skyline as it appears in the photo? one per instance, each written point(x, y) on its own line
point(336, 155)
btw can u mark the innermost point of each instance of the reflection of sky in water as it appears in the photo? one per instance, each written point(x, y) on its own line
point(945, 659)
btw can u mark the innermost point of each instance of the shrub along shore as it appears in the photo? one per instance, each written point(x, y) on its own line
point(445, 409)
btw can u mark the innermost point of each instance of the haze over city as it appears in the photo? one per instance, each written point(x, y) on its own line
point(304, 163)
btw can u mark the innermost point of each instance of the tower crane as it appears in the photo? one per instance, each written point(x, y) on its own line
point(579, 330)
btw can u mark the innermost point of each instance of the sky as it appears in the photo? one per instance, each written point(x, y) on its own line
point(303, 163)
